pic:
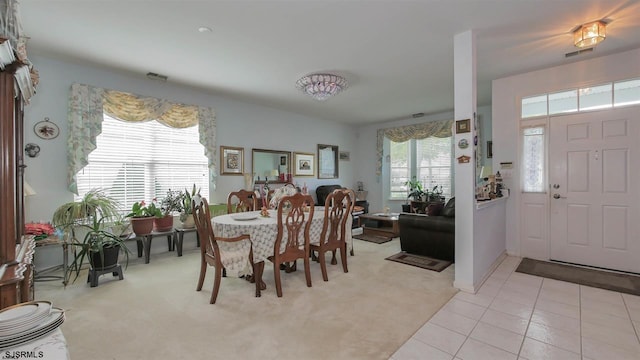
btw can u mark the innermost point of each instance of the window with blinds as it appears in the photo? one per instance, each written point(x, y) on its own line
point(429, 160)
point(434, 163)
point(142, 161)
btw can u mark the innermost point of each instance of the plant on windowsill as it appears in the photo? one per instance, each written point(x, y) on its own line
point(142, 217)
point(415, 189)
point(435, 195)
point(169, 205)
point(186, 216)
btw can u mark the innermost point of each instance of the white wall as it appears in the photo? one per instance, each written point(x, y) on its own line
point(506, 96)
point(238, 124)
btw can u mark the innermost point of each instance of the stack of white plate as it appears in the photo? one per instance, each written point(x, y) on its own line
point(27, 322)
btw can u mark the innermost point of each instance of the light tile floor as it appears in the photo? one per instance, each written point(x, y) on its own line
point(519, 316)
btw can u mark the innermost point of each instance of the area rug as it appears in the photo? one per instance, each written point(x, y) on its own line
point(373, 238)
point(420, 261)
point(625, 283)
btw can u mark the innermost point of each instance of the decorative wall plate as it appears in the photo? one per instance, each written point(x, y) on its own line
point(46, 129)
point(463, 143)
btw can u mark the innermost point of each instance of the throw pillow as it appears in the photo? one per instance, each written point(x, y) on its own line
point(450, 209)
point(435, 209)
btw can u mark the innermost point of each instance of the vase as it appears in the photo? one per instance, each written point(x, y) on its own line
point(142, 225)
point(188, 222)
point(163, 224)
point(248, 182)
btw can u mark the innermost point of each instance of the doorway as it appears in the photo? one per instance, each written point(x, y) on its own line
point(594, 177)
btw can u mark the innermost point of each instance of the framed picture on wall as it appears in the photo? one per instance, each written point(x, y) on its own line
point(327, 161)
point(231, 160)
point(489, 149)
point(463, 126)
point(304, 164)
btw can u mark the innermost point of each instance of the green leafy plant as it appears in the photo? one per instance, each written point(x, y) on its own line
point(140, 209)
point(97, 238)
point(415, 189)
point(172, 203)
point(186, 201)
point(435, 194)
point(89, 215)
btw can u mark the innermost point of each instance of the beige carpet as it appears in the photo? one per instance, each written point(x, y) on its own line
point(155, 312)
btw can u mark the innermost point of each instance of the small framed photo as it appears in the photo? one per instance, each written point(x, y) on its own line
point(345, 156)
point(304, 164)
point(231, 160)
point(463, 126)
point(489, 149)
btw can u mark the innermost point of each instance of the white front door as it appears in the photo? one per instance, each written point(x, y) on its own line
point(594, 167)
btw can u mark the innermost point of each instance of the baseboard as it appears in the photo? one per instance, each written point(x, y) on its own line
point(492, 268)
point(473, 288)
point(464, 287)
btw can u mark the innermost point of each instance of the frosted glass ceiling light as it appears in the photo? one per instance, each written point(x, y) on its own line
point(590, 34)
point(321, 86)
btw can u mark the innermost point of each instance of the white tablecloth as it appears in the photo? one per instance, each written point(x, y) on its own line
point(263, 231)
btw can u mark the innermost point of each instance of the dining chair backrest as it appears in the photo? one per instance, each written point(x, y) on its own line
point(209, 251)
point(202, 218)
point(294, 221)
point(337, 208)
point(241, 201)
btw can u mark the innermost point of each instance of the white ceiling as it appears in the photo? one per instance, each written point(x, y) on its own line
point(396, 55)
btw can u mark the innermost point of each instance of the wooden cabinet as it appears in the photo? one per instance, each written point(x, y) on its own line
point(16, 251)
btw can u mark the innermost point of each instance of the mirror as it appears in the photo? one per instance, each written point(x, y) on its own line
point(327, 161)
point(272, 164)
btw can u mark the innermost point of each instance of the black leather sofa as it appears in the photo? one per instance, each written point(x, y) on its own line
point(432, 236)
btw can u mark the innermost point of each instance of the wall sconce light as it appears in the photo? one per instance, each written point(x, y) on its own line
point(590, 34)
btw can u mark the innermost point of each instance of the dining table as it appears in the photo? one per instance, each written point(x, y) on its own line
point(262, 231)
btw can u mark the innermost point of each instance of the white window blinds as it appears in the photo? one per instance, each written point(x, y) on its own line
point(141, 161)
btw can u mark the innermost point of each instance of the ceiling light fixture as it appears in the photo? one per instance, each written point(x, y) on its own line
point(590, 34)
point(204, 29)
point(321, 86)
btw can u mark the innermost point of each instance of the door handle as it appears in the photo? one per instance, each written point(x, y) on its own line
point(557, 196)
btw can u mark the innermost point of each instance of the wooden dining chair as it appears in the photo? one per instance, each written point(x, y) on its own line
point(292, 239)
point(241, 201)
point(209, 250)
point(337, 208)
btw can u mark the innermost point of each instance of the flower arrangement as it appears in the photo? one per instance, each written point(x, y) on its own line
point(140, 209)
point(278, 194)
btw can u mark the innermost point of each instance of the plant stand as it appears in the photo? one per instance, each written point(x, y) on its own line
point(92, 278)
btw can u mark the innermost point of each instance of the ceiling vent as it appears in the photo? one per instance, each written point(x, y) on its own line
point(154, 76)
point(417, 115)
point(579, 52)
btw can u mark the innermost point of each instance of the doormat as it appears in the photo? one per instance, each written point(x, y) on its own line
point(420, 261)
point(625, 283)
point(373, 238)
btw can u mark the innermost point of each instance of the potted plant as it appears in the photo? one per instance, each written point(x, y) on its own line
point(89, 214)
point(186, 216)
point(100, 246)
point(169, 205)
point(415, 189)
point(142, 217)
point(435, 195)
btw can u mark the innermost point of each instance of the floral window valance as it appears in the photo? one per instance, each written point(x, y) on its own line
point(87, 104)
point(438, 129)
